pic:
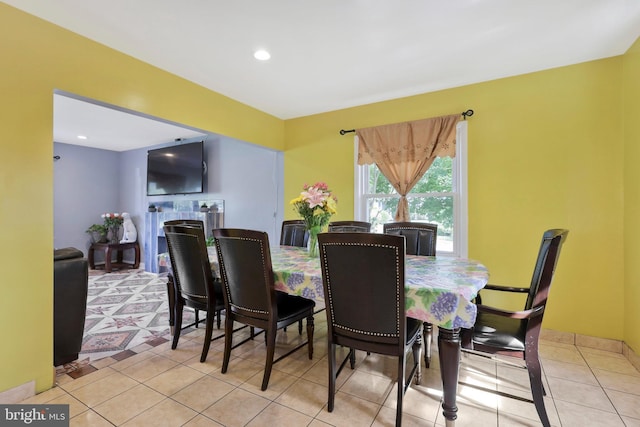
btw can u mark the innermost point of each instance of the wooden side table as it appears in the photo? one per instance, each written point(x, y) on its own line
point(108, 249)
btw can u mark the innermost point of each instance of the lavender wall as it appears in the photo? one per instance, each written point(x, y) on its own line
point(89, 182)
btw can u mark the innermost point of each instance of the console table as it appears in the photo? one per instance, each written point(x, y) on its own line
point(119, 248)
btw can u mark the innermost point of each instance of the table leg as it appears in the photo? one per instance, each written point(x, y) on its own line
point(107, 259)
point(171, 294)
point(449, 353)
point(136, 249)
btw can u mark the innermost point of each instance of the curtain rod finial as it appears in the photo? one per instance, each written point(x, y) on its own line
point(467, 113)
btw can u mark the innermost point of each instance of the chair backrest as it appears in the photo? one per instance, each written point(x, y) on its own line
point(246, 272)
point(363, 279)
point(186, 222)
point(546, 262)
point(421, 237)
point(189, 261)
point(349, 227)
point(294, 233)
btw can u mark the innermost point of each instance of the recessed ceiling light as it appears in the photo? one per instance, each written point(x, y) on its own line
point(262, 55)
point(82, 137)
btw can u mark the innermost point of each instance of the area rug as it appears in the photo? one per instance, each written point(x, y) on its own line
point(125, 308)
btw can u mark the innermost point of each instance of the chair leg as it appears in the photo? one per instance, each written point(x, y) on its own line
point(178, 324)
point(427, 334)
point(300, 327)
point(197, 312)
point(218, 313)
point(401, 383)
point(310, 329)
point(332, 376)
point(352, 358)
point(207, 336)
point(417, 357)
point(271, 349)
point(537, 389)
point(228, 342)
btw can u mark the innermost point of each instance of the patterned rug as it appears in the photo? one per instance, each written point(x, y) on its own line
point(125, 308)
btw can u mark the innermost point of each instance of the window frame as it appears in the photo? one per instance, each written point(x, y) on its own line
point(459, 193)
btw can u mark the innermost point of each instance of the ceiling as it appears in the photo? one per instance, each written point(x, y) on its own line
point(334, 54)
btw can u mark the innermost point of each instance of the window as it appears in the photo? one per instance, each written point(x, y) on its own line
point(439, 197)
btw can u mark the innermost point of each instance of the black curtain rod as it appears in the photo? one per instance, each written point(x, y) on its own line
point(465, 114)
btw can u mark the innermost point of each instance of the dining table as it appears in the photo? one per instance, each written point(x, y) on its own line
point(438, 289)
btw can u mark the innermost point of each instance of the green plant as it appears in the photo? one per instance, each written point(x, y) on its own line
point(98, 228)
point(210, 241)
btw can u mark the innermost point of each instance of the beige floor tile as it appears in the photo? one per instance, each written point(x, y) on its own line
point(620, 382)
point(349, 411)
point(45, 396)
point(89, 419)
point(416, 402)
point(575, 415)
point(211, 364)
point(611, 363)
point(319, 373)
point(318, 423)
point(471, 415)
point(304, 396)
point(75, 406)
point(373, 388)
point(104, 362)
point(174, 379)
point(149, 368)
point(278, 383)
point(569, 371)
point(582, 394)
point(129, 361)
point(278, 415)
point(512, 420)
point(568, 354)
point(587, 342)
point(202, 421)
point(129, 404)
point(104, 389)
point(236, 408)
point(203, 393)
point(511, 406)
point(626, 404)
point(631, 422)
point(387, 418)
point(167, 413)
point(88, 379)
point(185, 350)
point(238, 372)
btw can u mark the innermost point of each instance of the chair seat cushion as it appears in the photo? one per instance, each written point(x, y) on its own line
point(500, 332)
point(293, 306)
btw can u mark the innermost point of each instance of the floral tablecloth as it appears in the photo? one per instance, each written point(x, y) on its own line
point(438, 290)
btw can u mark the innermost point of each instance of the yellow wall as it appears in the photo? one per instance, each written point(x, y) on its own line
point(545, 151)
point(631, 85)
point(37, 58)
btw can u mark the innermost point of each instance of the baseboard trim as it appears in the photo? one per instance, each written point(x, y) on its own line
point(604, 344)
point(18, 393)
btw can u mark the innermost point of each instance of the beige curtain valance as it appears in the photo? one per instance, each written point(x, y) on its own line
point(404, 151)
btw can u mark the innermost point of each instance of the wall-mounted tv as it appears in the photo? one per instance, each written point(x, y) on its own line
point(178, 169)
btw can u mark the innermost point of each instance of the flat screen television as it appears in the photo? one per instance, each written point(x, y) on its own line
point(178, 169)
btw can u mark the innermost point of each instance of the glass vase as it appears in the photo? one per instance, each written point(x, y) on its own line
point(312, 243)
point(114, 234)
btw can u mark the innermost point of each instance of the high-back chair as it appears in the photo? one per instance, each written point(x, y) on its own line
point(517, 333)
point(171, 290)
point(421, 240)
point(420, 236)
point(349, 227)
point(294, 233)
point(250, 296)
point(363, 280)
point(193, 278)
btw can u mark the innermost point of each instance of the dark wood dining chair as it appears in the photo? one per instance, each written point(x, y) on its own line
point(516, 333)
point(349, 227)
point(363, 280)
point(171, 291)
point(193, 279)
point(421, 240)
point(250, 296)
point(294, 233)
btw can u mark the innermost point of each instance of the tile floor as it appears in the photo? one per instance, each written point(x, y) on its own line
point(156, 386)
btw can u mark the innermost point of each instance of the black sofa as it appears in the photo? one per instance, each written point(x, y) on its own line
point(70, 283)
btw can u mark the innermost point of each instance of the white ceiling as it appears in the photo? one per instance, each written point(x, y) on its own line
point(334, 54)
